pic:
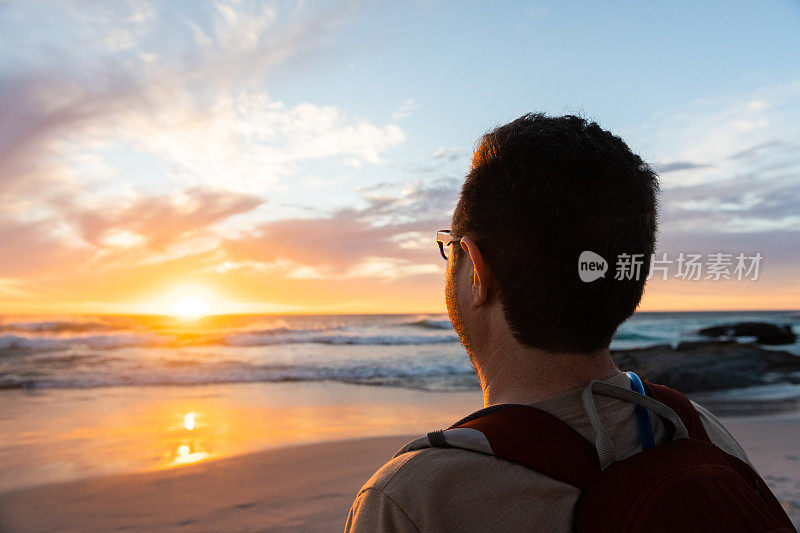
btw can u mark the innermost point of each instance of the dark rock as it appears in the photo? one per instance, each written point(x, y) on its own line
point(764, 332)
point(709, 365)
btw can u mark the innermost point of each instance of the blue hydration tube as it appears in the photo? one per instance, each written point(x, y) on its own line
point(642, 414)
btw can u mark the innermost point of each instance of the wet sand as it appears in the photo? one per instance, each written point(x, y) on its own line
point(302, 488)
point(55, 435)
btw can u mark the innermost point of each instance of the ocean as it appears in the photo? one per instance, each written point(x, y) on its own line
point(410, 351)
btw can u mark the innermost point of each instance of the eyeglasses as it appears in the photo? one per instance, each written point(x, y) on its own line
point(444, 239)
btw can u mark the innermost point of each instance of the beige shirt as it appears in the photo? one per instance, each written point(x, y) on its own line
point(451, 489)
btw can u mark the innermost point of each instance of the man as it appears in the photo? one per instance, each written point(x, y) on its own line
point(541, 191)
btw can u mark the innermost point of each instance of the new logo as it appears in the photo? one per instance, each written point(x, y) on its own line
point(591, 266)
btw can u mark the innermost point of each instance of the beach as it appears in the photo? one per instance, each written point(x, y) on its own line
point(251, 423)
point(295, 486)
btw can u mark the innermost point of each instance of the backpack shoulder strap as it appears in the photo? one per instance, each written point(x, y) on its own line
point(680, 403)
point(538, 440)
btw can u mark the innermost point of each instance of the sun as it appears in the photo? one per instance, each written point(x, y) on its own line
point(189, 307)
point(186, 301)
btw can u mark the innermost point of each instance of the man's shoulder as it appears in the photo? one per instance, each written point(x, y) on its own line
point(440, 489)
point(398, 496)
point(719, 434)
point(424, 465)
point(381, 504)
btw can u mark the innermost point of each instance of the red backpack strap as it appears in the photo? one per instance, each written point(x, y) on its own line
point(538, 440)
point(680, 403)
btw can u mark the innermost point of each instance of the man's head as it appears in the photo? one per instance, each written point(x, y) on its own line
point(541, 191)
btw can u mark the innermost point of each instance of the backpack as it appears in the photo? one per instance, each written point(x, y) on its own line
point(687, 484)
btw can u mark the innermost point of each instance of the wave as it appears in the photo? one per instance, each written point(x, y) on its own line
point(55, 326)
point(631, 336)
point(376, 340)
point(430, 323)
point(262, 338)
point(157, 324)
point(277, 330)
point(430, 377)
point(102, 342)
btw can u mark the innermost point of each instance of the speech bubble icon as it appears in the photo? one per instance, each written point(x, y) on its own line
point(591, 266)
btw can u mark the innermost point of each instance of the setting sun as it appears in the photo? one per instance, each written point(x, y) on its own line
point(190, 307)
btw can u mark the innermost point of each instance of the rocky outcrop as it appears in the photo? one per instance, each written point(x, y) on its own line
point(764, 332)
point(711, 365)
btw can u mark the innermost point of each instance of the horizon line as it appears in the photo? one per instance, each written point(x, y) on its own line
point(274, 313)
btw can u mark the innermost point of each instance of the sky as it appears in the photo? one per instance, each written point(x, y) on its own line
point(298, 157)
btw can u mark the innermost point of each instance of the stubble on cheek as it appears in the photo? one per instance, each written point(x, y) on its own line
point(453, 307)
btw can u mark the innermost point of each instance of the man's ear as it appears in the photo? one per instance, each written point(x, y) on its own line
point(481, 276)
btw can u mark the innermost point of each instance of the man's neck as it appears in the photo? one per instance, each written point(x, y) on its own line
point(516, 374)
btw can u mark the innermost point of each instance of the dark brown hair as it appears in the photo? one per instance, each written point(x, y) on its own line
point(541, 191)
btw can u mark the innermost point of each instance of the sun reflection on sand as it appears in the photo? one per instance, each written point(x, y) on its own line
point(185, 456)
point(188, 421)
point(190, 450)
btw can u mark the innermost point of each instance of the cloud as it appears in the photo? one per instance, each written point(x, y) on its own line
point(758, 149)
point(250, 141)
point(33, 248)
point(138, 230)
point(194, 108)
point(778, 248)
point(391, 237)
point(712, 141)
point(34, 110)
point(663, 168)
point(405, 109)
point(159, 221)
point(732, 168)
point(140, 150)
point(732, 185)
point(450, 154)
point(761, 194)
